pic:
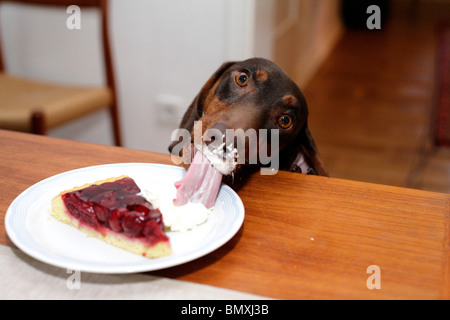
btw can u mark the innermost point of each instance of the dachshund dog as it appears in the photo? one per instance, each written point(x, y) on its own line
point(257, 93)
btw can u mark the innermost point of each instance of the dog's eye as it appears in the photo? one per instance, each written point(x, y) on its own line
point(285, 121)
point(242, 79)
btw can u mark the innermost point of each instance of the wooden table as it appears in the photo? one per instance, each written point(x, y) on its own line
point(304, 237)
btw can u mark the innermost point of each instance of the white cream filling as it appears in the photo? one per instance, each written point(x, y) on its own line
point(178, 218)
point(226, 165)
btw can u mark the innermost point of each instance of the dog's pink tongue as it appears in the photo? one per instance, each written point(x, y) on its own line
point(201, 183)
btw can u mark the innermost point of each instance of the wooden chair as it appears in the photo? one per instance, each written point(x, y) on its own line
point(32, 106)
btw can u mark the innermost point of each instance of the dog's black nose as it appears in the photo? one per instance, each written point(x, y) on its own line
point(221, 126)
point(215, 138)
point(216, 134)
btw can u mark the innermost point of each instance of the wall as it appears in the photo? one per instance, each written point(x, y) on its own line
point(164, 50)
point(305, 32)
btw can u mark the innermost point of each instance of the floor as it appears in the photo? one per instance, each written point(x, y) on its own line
point(371, 102)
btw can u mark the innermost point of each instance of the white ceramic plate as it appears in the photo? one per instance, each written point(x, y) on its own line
point(31, 227)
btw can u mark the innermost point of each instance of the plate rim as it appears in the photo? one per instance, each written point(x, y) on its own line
point(152, 265)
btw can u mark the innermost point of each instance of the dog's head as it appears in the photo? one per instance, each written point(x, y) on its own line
point(251, 95)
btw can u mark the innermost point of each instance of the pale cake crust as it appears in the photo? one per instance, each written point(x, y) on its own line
point(60, 212)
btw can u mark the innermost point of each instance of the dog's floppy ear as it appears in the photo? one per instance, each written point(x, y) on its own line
point(195, 110)
point(306, 158)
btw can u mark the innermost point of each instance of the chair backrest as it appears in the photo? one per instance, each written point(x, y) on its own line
point(102, 5)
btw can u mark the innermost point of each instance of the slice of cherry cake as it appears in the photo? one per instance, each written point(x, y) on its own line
point(113, 211)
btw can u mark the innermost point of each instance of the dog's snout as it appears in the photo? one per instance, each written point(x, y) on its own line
point(220, 139)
